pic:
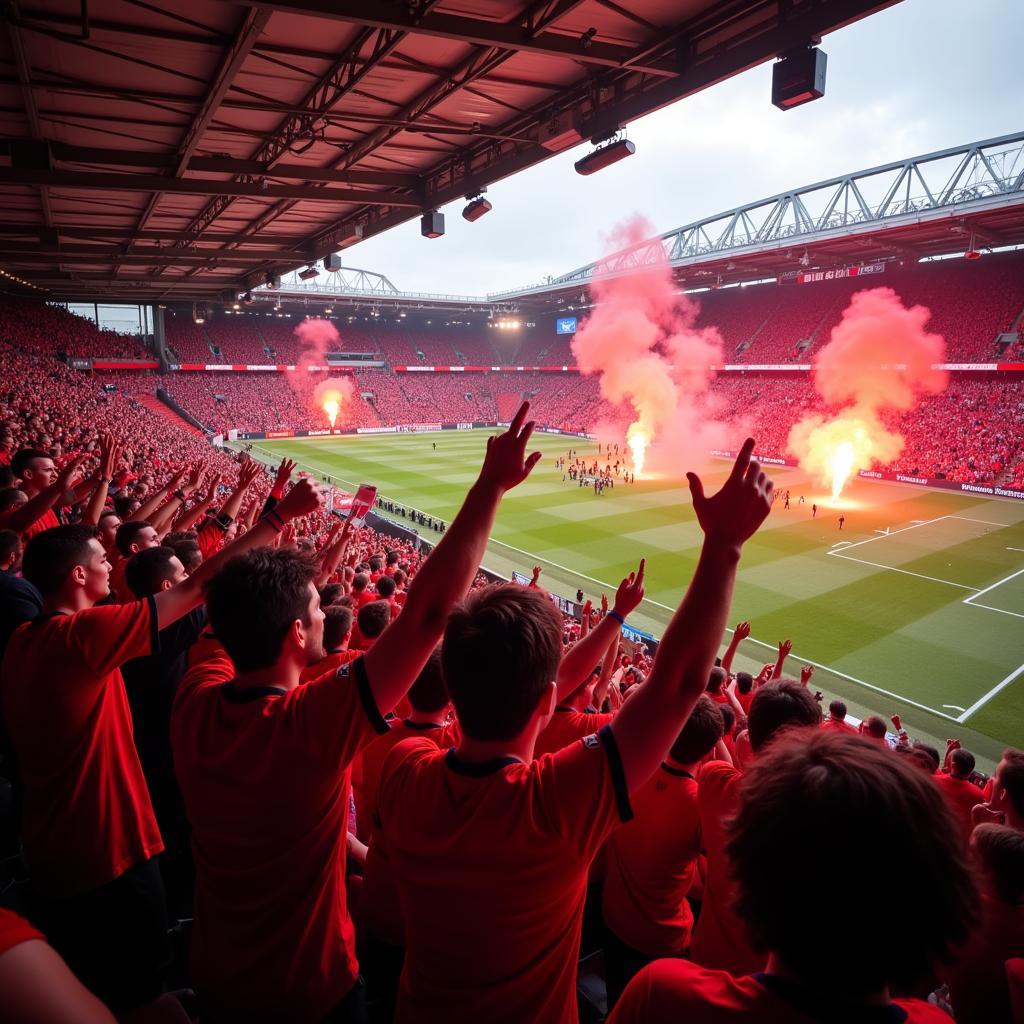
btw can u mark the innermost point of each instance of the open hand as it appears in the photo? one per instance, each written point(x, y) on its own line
point(805, 674)
point(733, 515)
point(742, 630)
point(506, 464)
point(631, 590)
point(284, 473)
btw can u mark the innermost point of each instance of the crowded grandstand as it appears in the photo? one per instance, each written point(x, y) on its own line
point(281, 746)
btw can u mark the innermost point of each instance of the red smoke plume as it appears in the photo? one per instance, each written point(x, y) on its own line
point(879, 358)
point(653, 363)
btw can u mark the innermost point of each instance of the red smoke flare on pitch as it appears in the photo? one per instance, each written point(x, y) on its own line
point(328, 397)
point(879, 359)
point(652, 362)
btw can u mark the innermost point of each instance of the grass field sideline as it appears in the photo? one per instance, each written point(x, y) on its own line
point(917, 606)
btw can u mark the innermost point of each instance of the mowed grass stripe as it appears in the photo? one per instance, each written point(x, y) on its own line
point(907, 635)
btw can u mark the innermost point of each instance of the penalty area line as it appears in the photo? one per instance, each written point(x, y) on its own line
point(983, 700)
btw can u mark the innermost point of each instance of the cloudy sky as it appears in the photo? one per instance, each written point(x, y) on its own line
point(921, 76)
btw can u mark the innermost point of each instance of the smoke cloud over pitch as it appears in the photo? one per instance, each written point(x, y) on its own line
point(318, 337)
point(654, 365)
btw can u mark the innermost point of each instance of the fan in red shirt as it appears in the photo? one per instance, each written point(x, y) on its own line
point(1005, 789)
point(651, 861)
point(817, 806)
point(491, 847)
point(977, 977)
point(264, 763)
point(955, 784)
point(337, 634)
point(836, 721)
point(720, 939)
point(362, 592)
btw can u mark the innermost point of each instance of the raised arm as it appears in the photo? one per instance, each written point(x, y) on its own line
point(785, 646)
point(246, 477)
point(581, 658)
point(333, 553)
point(741, 632)
point(156, 499)
point(162, 519)
point(649, 722)
point(397, 657)
point(172, 604)
point(110, 453)
point(189, 518)
point(24, 517)
point(603, 688)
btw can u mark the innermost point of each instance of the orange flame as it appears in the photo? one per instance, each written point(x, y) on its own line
point(637, 441)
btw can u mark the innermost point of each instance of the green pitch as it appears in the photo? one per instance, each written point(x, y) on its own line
point(917, 606)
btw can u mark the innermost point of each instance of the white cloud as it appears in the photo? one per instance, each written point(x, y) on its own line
point(921, 76)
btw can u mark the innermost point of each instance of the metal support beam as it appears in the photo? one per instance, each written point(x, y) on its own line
point(200, 186)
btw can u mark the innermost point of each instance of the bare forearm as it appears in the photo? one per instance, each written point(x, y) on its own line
point(148, 508)
point(730, 653)
point(584, 655)
point(94, 509)
point(161, 522)
point(189, 518)
point(649, 723)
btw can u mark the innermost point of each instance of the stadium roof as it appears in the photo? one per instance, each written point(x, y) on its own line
point(190, 148)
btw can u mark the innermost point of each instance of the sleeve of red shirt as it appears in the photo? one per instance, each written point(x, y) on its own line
point(15, 930)
point(337, 712)
point(110, 635)
point(585, 790)
point(662, 991)
point(402, 758)
point(210, 539)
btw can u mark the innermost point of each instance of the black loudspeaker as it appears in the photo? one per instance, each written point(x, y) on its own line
point(799, 78)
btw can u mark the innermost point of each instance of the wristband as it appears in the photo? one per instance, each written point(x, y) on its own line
point(273, 519)
point(277, 493)
point(179, 494)
point(618, 618)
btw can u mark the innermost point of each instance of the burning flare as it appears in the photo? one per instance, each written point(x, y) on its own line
point(332, 406)
point(637, 440)
point(841, 465)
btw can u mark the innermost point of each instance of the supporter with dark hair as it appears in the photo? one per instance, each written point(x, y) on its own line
point(278, 945)
point(651, 860)
point(719, 938)
point(361, 592)
point(717, 679)
point(134, 536)
point(1005, 805)
point(337, 636)
point(487, 818)
point(188, 552)
point(109, 524)
point(745, 690)
point(836, 721)
point(873, 728)
point(371, 621)
point(882, 828)
point(977, 977)
point(87, 824)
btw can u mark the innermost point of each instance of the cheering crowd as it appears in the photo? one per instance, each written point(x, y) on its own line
point(360, 784)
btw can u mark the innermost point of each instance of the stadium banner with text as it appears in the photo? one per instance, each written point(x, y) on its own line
point(834, 274)
point(897, 478)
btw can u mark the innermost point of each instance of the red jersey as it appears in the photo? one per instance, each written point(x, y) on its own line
point(568, 725)
point(720, 940)
point(677, 990)
point(650, 863)
point(87, 816)
point(961, 795)
point(15, 930)
point(979, 990)
point(265, 777)
point(838, 725)
point(47, 521)
point(331, 663)
point(491, 861)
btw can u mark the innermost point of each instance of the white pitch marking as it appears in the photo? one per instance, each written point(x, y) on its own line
point(991, 608)
point(905, 572)
point(1015, 549)
point(954, 707)
point(982, 701)
point(998, 583)
point(840, 544)
point(986, 522)
point(885, 532)
point(920, 522)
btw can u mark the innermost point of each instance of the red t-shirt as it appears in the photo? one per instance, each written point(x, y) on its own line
point(720, 940)
point(960, 795)
point(87, 816)
point(15, 930)
point(491, 861)
point(837, 725)
point(650, 863)
point(979, 990)
point(47, 521)
point(331, 663)
point(677, 990)
point(567, 726)
point(265, 777)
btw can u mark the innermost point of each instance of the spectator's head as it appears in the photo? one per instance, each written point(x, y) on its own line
point(135, 536)
point(501, 652)
point(744, 682)
point(703, 729)
point(126, 505)
point(189, 553)
point(778, 706)
point(386, 587)
point(926, 756)
point(874, 727)
point(337, 627)
point(837, 711)
point(376, 563)
point(34, 468)
point(67, 564)
point(330, 594)
point(109, 523)
point(429, 694)
point(400, 577)
point(717, 680)
point(999, 850)
point(264, 609)
point(728, 718)
point(879, 825)
point(1008, 787)
point(373, 619)
point(10, 551)
point(962, 763)
point(390, 557)
point(153, 570)
point(360, 582)
point(12, 498)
